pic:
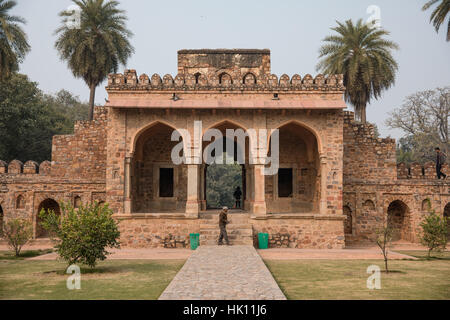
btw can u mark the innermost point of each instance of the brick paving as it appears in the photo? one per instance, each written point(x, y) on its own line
point(223, 273)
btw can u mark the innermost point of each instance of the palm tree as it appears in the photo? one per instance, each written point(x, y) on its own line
point(97, 45)
point(13, 40)
point(439, 14)
point(363, 56)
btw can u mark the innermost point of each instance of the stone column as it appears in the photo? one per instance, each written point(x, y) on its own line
point(192, 203)
point(323, 184)
point(259, 200)
point(127, 187)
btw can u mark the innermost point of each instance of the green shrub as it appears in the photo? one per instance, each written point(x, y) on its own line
point(17, 232)
point(434, 232)
point(82, 235)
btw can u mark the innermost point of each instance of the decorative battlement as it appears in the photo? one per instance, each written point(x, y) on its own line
point(365, 131)
point(224, 82)
point(419, 171)
point(30, 167)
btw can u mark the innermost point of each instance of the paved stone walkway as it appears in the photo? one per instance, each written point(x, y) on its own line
point(223, 273)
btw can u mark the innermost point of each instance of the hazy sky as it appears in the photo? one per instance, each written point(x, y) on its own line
point(291, 29)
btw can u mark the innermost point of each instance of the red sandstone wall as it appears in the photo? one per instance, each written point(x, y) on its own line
point(367, 158)
point(83, 154)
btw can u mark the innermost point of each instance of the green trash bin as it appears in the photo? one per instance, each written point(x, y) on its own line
point(194, 237)
point(263, 240)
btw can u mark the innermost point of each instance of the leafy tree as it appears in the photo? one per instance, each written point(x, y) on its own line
point(362, 54)
point(384, 240)
point(434, 235)
point(13, 40)
point(222, 180)
point(439, 14)
point(424, 117)
point(17, 233)
point(82, 235)
point(97, 46)
point(29, 119)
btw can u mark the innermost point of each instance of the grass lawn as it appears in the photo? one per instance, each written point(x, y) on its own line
point(10, 255)
point(113, 279)
point(346, 279)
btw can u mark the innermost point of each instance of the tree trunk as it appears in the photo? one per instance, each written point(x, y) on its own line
point(91, 101)
point(363, 113)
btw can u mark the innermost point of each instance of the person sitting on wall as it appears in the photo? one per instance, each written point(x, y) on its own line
point(440, 160)
point(223, 221)
point(237, 195)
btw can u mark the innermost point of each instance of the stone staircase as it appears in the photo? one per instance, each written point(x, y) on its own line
point(240, 231)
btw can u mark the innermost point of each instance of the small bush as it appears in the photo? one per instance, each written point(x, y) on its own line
point(384, 241)
point(82, 235)
point(17, 232)
point(434, 233)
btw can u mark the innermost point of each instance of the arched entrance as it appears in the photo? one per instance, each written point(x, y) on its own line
point(296, 186)
point(47, 205)
point(398, 218)
point(221, 181)
point(447, 215)
point(157, 184)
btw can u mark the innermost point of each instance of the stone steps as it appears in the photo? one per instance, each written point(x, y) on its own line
point(240, 231)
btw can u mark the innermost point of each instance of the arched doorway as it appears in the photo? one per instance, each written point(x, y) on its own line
point(296, 186)
point(398, 218)
point(47, 205)
point(157, 184)
point(221, 181)
point(447, 215)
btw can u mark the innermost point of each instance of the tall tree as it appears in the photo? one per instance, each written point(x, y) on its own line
point(424, 117)
point(13, 40)
point(362, 54)
point(439, 14)
point(95, 45)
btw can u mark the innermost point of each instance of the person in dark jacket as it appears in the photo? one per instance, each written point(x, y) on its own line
point(237, 195)
point(440, 160)
point(223, 221)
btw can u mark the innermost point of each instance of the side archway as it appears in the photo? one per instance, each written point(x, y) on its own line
point(398, 218)
point(46, 205)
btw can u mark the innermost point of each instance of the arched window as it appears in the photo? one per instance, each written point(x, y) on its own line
point(426, 205)
point(369, 205)
point(225, 79)
point(398, 219)
point(20, 202)
point(249, 79)
point(77, 202)
point(197, 76)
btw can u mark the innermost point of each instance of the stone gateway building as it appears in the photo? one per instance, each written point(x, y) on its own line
point(337, 182)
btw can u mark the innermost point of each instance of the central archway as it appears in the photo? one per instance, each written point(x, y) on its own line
point(222, 182)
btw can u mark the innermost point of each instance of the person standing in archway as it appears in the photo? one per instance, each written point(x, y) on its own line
point(237, 195)
point(223, 221)
point(440, 160)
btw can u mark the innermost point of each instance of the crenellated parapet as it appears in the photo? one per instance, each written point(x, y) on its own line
point(16, 167)
point(224, 81)
point(417, 171)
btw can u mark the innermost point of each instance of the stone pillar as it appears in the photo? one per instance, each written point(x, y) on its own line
point(202, 187)
point(259, 200)
point(192, 203)
point(323, 184)
point(127, 187)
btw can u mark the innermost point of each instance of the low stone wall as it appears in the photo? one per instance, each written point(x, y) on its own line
point(305, 232)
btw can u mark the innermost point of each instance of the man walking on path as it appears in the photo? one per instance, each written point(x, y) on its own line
point(223, 221)
point(440, 160)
